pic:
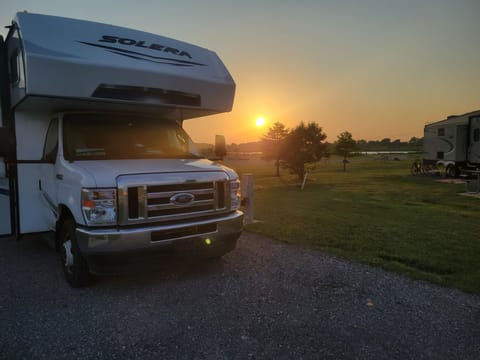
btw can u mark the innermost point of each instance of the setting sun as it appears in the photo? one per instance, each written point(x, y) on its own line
point(260, 122)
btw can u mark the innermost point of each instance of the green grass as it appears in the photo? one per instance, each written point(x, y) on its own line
point(375, 213)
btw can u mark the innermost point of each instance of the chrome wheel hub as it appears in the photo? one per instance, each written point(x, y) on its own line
point(67, 248)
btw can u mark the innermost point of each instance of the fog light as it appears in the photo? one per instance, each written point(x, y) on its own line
point(208, 241)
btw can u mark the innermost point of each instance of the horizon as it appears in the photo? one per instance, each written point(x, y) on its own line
point(367, 141)
point(377, 69)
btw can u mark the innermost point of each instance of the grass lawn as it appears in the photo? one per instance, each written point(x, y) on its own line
point(375, 213)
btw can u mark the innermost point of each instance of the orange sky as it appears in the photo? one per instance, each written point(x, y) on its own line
point(379, 71)
point(375, 68)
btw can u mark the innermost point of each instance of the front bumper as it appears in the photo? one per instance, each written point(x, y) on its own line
point(114, 241)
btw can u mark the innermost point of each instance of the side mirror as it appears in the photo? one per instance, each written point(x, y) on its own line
point(7, 145)
point(220, 147)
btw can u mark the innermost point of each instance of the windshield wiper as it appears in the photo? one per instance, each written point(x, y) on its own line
point(192, 156)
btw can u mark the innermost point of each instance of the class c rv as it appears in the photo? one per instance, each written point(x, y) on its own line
point(453, 143)
point(92, 150)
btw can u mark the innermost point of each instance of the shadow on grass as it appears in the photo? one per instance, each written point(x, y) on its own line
point(416, 264)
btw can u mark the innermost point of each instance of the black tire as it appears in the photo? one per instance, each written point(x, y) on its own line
point(74, 265)
point(451, 171)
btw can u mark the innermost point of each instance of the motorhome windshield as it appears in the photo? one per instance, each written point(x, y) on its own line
point(100, 136)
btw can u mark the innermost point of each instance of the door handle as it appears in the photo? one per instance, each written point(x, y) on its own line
point(59, 176)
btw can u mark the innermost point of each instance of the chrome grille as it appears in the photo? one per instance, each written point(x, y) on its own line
point(170, 197)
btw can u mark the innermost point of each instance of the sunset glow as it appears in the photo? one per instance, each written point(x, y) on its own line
point(377, 69)
point(260, 122)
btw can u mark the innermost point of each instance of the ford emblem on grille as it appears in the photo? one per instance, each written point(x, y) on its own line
point(182, 199)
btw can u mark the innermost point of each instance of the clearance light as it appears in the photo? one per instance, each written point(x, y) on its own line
point(234, 194)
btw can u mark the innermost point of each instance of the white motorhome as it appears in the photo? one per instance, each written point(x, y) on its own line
point(92, 147)
point(453, 143)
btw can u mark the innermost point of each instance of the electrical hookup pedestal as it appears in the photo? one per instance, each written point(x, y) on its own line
point(246, 193)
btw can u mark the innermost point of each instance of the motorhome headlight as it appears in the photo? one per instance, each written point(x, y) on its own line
point(99, 206)
point(234, 194)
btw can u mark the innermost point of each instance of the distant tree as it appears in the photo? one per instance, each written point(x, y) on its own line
point(303, 145)
point(344, 146)
point(386, 142)
point(232, 147)
point(372, 144)
point(362, 143)
point(272, 143)
point(416, 143)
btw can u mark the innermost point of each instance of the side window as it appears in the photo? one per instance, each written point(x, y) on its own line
point(441, 132)
point(51, 142)
point(15, 59)
point(476, 135)
point(14, 74)
point(16, 69)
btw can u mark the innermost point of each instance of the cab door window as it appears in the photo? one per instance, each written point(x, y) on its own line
point(50, 149)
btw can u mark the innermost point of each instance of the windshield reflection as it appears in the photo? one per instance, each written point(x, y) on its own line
point(102, 136)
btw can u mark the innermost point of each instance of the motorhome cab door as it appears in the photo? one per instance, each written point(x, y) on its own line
point(48, 177)
point(474, 141)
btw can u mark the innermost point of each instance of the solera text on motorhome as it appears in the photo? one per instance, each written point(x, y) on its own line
point(92, 148)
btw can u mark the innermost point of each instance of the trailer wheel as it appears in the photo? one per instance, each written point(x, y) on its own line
point(74, 265)
point(451, 171)
point(417, 168)
point(414, 170)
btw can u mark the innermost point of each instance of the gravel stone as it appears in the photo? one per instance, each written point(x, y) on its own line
point(265, 300)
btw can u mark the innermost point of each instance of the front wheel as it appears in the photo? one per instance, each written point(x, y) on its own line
point(74, 265)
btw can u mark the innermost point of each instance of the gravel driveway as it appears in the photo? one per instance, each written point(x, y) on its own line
point(265, 300)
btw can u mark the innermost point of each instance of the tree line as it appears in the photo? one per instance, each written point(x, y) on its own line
point(414, 144)
point(299, 148)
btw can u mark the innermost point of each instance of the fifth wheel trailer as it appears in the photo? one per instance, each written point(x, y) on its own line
point(453, 143)
point(92, 148)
